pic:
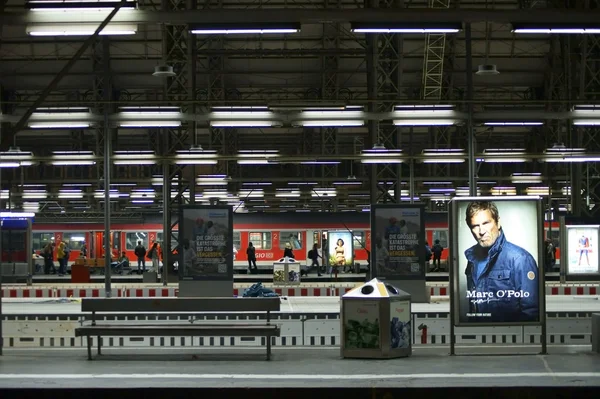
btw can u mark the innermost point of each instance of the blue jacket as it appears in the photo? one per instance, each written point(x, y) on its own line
point(508, 287)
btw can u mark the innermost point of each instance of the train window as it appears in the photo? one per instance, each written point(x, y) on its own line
point(174, 237)
point(441, 235)
point(131, 240)
point(359, 239)
point(260, 240)
point(294, 238)
point(40, 240)
point(75, 240)
point(237, 240)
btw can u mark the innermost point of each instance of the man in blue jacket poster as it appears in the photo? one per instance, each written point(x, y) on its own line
point(502, 278)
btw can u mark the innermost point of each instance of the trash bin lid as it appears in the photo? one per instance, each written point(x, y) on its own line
point(376, 289)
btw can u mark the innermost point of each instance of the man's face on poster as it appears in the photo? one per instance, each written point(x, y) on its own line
point(484, 228)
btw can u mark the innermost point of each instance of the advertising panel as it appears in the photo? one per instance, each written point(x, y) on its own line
point(361, 325)
point(206, 243)
point(399, 249)
point(582, 246)
point(341, 248)
point(497, 247)
point(400, 324)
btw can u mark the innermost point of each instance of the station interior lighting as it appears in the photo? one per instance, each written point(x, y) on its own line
point(394, 27)
point(80, 29)
point(72, 158)
point(134, 158)
point(232, 29)
point(557, 28)
point(444, 155)
point(196, 156)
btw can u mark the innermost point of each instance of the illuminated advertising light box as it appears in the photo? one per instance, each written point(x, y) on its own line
point(496, 250)
point(206, 243)
point(341, 249)
point(398, 241)
point(582, 249)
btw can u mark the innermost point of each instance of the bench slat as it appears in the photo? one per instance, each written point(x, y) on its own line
point(225, 304)
point(171, 330)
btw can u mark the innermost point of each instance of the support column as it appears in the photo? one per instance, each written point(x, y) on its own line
point(588, 174)
point(470, 133)
point(386, 72)
point(178, 90)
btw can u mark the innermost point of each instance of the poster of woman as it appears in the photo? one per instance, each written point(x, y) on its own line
point(582, 244)
point(340, 249)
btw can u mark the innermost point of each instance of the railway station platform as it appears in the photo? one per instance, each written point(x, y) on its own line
point(42, 357)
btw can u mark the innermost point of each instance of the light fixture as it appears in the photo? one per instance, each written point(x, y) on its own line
point(586, 122)
point(486, 70)
point(247, 123)
point(196, 156)
point(14, 157)
point(425, 115)
point(443, 155)
point(558, 28)
point(330, 118)
point(381, 155)
point(148, 117)
point(77, 6)
point(503, 155)
point(163, 71)
point(58, 125)
point(516, 123)
point(394, 27)
point(72, 158)
point(134, 158)
point(79, 29)
point(526, 178)
point(256, 28)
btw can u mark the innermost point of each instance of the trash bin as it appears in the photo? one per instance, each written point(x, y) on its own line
point(376, 322)
point(286, 271)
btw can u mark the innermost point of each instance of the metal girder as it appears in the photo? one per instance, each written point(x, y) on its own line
point(433, 83)
point(317, 16)
point(388, 65)
point(330, 89)
point(588, 175)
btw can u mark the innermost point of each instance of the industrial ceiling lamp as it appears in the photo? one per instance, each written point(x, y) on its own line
point(163, 71)
point(487, 69)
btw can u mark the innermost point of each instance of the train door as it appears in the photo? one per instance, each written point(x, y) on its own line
point(97, 244)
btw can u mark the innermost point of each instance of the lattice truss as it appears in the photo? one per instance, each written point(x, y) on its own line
point(330, 91)
point(433, 85)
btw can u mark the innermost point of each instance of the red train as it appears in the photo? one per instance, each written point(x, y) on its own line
point(268, 232)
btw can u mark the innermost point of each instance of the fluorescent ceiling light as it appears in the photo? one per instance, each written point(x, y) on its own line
point(77, 6)
point(61, 111)
point(134, 158)
point(424, 122)
point(59, 125)
point(79, 29)
point(157, 124)
point(393, 27)
point(17, 215)
point(381, 160)
point(72, 163)
point(503, 159)
point(255, 162)
point(586, 122)
point(557, 28)
point(249, 123)
point(513, 123)
point(329, 123)
point(150, 111)
point(232, 29)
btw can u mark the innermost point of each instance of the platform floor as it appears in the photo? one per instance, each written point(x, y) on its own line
point(302, 367)
point(562, 303)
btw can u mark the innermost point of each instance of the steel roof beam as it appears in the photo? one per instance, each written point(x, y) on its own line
point(319, 16)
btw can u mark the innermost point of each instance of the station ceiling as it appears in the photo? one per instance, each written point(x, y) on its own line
point(527, 112)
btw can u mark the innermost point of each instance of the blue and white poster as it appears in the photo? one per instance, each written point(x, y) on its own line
point(398, 241)
point(206, 243)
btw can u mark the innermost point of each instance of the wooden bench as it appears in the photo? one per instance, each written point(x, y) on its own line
point(179, 305)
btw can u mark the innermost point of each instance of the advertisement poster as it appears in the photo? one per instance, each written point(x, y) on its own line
point(361, 324)
point(582, 244)
point(400, 324)
point(341, 249)
point(497, 250)
point(399, 245)
point(206, 243)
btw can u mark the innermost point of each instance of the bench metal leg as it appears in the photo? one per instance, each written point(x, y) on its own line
point(268, 347)
point(99, 345)
point(89, 347)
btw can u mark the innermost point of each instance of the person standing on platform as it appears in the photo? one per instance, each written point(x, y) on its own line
point(62, 259)
point(140, 252)
point(251, 254)
point(314, 256)
point(287, 252)
point(437, 250)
